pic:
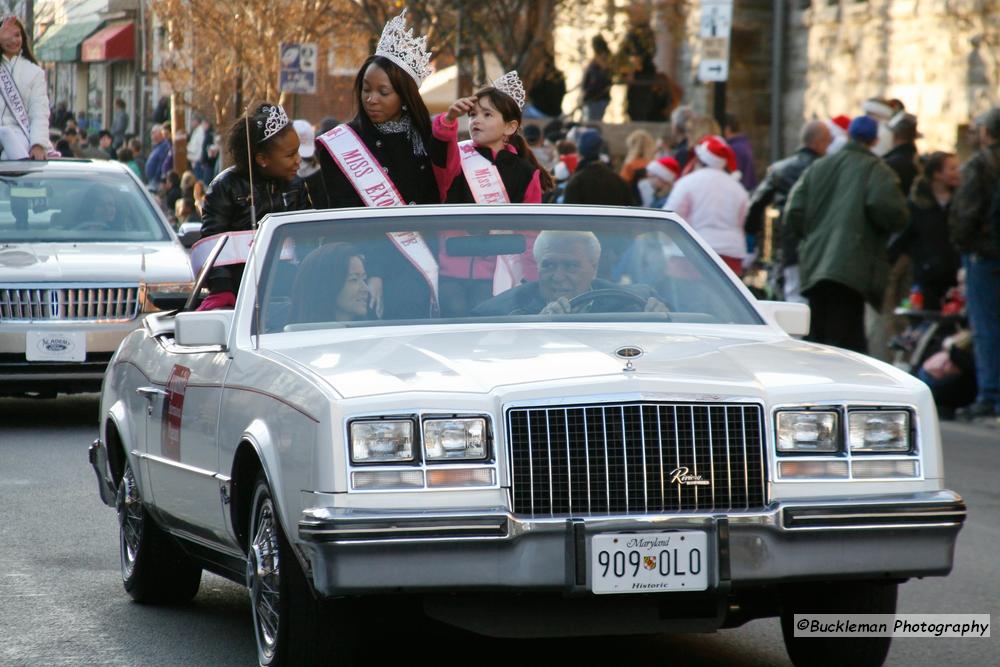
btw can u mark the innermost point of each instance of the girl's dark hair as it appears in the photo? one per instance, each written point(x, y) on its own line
point(405, 87)
point(26, 51)
point(508, 108)
point(935, 163)
point(236, 143)
point(325, 267)
point(125, 154)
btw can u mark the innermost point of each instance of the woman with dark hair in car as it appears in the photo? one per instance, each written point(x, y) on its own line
point(381, 158)
point(340, 268)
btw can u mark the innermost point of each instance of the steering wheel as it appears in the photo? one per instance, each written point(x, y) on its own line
point(93, 227)
point(623, 297)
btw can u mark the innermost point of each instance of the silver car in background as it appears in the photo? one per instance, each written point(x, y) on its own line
point(84, 253)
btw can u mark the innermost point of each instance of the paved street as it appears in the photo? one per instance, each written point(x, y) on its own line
point(62, 603)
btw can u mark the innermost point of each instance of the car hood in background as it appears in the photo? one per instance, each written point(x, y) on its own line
point(481, 360)
point(94, 262)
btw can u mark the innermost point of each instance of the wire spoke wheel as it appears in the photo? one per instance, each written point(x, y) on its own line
point(130, 519)
point(264, 578)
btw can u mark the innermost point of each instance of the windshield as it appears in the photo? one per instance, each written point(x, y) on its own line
point(40, 207)
point(489, 268)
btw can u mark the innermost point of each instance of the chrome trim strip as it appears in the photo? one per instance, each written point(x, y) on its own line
point(396, 529)
point(174, 464)
point(874, 515)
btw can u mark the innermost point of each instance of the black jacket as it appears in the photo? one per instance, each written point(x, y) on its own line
point(904, 161)
point(227, 201)
point(925, 240)
point(227, 209)
point(773, 190)
point(515, 172)
point(596, 183)
point(412, 175)
point(972, 230)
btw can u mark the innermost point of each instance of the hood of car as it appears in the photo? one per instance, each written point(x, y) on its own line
point(486, 360)
point(94, 262)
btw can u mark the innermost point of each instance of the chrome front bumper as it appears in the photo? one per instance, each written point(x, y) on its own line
point(891, 537)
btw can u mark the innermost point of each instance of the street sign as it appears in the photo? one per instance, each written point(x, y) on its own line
point(716, 24)
point(298, 68)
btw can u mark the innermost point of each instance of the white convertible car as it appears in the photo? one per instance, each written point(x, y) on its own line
point(529, 419)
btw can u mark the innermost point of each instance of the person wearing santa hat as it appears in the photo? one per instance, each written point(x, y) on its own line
point(713, 201)
point(838, 133)
point(661, 174)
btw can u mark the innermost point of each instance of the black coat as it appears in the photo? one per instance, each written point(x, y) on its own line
point(773, 190)
point(596, 183)
point(904, 161)
point(412, 175)
point(227, 201)
point(925, 240)
point(515, 172)
point(406, 295)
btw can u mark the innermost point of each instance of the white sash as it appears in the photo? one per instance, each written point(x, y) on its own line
point(487, 187)
point(12, 97)
point(482, 176)
point(369, 180)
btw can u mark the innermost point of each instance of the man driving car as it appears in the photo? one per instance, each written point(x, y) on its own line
point(567, 268)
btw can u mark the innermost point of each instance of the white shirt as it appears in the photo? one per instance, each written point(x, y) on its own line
point(715, 205)
point(30, 81)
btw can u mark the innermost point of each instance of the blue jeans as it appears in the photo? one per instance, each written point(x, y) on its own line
point(594, 111)
point(982, 288)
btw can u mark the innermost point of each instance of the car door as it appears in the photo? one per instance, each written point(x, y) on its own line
point(181, 432)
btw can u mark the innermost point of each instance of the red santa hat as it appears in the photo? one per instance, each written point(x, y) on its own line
point(714, 152)
point(666, 168)
point(838, 125)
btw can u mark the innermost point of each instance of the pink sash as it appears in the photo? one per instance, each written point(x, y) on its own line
point(369, 180)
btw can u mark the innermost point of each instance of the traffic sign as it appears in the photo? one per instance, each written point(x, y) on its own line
point(716, 25)
point(297, 73)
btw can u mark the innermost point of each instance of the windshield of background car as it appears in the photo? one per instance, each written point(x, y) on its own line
point(48, 207)
point(423, 269)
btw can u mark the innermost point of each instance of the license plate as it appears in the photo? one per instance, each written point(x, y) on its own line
point(649, 562)
point(55, 346)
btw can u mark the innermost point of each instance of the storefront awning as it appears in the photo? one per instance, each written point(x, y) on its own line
point(116, 42)
point(61, 42)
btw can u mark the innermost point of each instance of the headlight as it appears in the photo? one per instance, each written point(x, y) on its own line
point(879, 431)
point(455, 439)
point(808, 432)
point(388, 441)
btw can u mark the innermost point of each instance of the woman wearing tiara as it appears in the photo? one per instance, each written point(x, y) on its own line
point(24, 118)
point(384, 150)
point(498, 147)
point(264, 174)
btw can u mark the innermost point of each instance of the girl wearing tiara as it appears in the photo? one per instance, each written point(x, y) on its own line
point(516, 177)
point(391, 132)
point(269, 159)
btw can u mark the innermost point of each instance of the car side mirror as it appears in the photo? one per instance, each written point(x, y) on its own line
point(203, 328)
point(792, 317)
point(189, 233)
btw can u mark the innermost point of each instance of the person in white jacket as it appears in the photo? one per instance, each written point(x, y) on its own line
point(24, 132)
point(713, 202)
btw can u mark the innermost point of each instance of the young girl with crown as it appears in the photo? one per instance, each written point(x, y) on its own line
point(381, 158)
point(495, 166)
point(264, 151)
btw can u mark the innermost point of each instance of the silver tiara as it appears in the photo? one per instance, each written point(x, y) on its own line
point(400, 46)
point(510, 83)
point(275, 122)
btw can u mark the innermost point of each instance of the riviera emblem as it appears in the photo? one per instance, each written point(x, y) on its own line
point(683, 477)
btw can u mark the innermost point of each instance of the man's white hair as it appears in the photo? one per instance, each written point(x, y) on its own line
point(552, 237)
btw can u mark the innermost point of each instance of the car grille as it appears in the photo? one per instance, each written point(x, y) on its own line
point(22, 303)
point(628, 458)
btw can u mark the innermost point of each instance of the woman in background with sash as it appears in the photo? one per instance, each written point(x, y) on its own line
point(380, 158)
point(495, 166)
point(24, 121)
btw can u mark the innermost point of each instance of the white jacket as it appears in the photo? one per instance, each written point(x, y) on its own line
point(715, 205)
point(30, 81)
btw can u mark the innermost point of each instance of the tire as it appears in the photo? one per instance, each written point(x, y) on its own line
point(291, 626)
point(154, 570)
point(846, 599)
